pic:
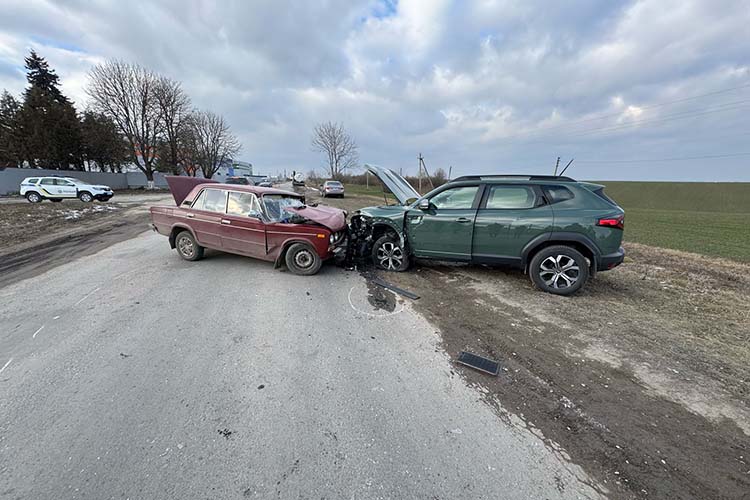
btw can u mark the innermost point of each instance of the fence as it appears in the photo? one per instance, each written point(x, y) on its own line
point(10, 178)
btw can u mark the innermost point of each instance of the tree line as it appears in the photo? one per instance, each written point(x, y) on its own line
point(135, 116)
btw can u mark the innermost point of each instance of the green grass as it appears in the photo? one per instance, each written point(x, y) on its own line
point(702, 217)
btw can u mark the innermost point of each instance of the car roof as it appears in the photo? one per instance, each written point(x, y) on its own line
point(259, 190)
point(490, 178)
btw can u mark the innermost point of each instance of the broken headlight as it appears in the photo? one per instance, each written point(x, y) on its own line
point(336, 237)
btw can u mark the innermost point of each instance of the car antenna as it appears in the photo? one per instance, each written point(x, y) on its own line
point(557, 164)
point(566, 166)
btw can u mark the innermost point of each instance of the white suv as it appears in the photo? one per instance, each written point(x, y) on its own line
point(36, 189)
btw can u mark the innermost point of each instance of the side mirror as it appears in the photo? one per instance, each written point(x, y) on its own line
point(424, 204)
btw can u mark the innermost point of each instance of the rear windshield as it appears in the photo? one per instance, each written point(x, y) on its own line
point(333, 183)
point(275, 206)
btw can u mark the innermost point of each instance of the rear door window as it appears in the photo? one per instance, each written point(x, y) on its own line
point(504, 197)
point(215, 200)
point(48, 182)
point(455, 198)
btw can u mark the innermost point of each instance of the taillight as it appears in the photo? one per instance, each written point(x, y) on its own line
point(618, 222)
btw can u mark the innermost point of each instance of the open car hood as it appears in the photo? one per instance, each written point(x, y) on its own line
point(180, 186)
point(330, 217)
point(400, 187)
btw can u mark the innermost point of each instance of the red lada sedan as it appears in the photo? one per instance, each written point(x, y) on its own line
point(264, 223)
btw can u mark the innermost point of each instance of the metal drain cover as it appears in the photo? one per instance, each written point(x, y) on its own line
point(478, 363)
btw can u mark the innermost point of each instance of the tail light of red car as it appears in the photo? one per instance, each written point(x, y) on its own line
point(616, 222)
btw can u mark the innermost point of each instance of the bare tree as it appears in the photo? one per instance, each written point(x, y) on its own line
point(174, 108)
point(127, 93)
point(215, 142)
point(339, 147)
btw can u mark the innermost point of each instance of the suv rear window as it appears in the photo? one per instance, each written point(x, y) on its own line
point(556, 194)
point(600, 193)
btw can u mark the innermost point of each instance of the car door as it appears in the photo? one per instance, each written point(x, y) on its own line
point(445, 229)
point(242, 230)
point(66, 189)
point(48, 188)
point(509, 217)
point(205, 216)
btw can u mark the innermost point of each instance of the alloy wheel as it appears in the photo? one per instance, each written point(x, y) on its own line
point(186, 246)
point(559, 271)
point(390, 256)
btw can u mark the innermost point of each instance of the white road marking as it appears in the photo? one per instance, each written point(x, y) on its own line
point(40, 329)
point(349, 296)
point(86, 296)
point(6, 365)
point(56, 317)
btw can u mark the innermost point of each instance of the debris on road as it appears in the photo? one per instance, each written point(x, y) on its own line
point(485, 365)
point(225, 432)
point(123, 355)
point(406, 293)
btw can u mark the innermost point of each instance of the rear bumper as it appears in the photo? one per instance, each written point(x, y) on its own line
point(610, 261)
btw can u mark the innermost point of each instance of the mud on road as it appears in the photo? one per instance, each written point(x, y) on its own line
point(643, 378)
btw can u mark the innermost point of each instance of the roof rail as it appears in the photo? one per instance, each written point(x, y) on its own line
point(514, 176)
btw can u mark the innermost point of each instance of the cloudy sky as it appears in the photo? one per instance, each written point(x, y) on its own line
point(654, 89)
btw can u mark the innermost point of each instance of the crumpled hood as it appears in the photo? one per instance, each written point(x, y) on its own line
point(180, 186)
point(330, 217)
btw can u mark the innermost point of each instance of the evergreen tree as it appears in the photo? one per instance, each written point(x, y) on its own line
point(47, 122)
point(102, 142)
point(9, 139)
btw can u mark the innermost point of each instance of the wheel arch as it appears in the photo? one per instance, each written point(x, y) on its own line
point(580, 242)
point(177, 229)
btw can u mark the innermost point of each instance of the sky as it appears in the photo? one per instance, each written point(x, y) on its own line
point(632, 90)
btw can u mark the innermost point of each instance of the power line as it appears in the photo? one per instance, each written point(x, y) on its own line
point(650, 106)
point(652, 160)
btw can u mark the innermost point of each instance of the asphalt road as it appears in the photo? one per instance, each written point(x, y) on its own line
point(133, 374)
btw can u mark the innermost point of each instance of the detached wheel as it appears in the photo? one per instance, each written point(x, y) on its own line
point(187, 247)
point(302, 260)
point(388, 254)
point(33, 197)
point(85, 197)
point(561, 270)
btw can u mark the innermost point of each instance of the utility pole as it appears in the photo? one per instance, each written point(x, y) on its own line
point(419, 175)
point(423, 165)
point(450, 169)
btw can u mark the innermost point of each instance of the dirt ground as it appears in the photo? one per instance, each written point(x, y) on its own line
point(642, 379)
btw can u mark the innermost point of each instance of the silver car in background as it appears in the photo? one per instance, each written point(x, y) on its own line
point(332, 188)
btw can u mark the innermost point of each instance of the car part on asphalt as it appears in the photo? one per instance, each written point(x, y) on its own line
point(477, 362)
point(406, 293)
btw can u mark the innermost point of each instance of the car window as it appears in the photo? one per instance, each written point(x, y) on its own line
point(63, 182)
point(556, 194)
point(276, 206)
point(48, 182)
point(212, 200)
point(459, 197)
point(509, 197)
point(32, 181)
point(245, 204)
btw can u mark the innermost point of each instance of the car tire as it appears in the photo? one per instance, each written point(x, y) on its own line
point(187, 247)
point(559, 269)
point(302, 260)
point(85, 197)
point(34, 197)
point(389, 254)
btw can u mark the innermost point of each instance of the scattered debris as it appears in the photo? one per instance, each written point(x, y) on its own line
point(123, 355)
point(180, 446)
point(261, 386)
point(478, 363)
point(225, 432)
point(406, 293)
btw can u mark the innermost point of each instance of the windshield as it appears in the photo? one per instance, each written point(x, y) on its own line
point(275, 206)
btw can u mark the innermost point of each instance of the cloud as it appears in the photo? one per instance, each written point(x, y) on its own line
point(483, 86)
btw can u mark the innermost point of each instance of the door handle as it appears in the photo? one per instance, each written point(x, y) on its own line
point(463, 220)
point(226, 221)
point(189, 216)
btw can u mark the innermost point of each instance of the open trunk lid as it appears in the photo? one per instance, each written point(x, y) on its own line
point(180, 186)
point(400, 187)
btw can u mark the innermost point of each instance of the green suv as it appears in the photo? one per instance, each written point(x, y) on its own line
point(558, 230)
